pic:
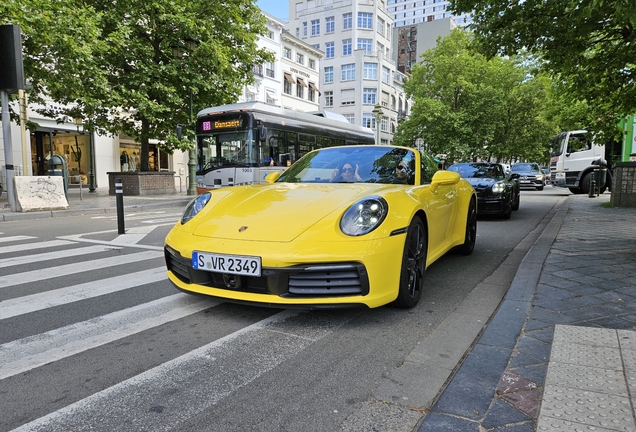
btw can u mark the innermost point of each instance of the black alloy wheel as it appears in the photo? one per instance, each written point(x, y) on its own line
point(413, 265)
point(515, 206)
point(471, 230)
point(507, 208)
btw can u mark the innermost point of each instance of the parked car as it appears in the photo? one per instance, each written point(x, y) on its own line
point(342, 227)
point(496, 193)
point(530, 175)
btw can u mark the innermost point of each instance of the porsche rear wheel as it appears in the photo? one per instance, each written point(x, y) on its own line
point(413, 266)
point(471, 230)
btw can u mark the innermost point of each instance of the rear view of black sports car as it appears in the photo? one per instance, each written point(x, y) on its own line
point(497, 193)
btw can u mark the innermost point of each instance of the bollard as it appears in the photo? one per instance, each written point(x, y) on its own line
point(119, 195)
point(592, 191)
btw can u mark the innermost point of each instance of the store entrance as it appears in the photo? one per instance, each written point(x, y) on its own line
point(40, 152)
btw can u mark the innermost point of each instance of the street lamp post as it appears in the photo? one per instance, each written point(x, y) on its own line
point(178, 51)
point(377, 113)
point(192, 162)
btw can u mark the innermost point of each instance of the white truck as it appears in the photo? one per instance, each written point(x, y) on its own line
point(573, 159)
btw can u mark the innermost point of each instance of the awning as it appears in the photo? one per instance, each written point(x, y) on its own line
point(288, 78)
point(271, 94)
point(313, 87)
point(251, 89)
point(301, 82)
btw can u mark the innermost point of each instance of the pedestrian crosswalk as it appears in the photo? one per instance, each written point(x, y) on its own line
point(92, 332)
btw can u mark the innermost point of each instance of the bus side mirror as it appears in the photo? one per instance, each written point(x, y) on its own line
point(179, 132)
point(262, 133)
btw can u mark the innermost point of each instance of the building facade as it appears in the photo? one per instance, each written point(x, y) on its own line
point(414, 40)
point(359, 78)
point(292, 79)
point(408, 12)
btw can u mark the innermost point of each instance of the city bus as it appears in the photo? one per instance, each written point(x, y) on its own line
point(241, 143)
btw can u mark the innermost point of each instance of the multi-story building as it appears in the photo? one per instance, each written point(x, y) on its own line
point(408, 12)
point(357, 72)
point(292, 79)
point(413, 40)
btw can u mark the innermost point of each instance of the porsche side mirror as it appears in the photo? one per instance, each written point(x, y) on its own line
point(272, 177)
point(444, 178)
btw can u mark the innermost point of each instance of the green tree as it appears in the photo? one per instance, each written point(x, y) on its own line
point(114, 64)
point(467, 106)
point(587, 46)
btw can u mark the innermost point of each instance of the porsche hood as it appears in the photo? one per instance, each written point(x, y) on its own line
point(277, 212)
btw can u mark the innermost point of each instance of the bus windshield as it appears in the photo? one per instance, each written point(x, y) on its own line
point(227, 149)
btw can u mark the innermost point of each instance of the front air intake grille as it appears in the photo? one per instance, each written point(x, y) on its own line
point(177, 265)
point(333, 280)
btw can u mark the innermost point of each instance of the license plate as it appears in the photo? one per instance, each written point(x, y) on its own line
point(233, 264)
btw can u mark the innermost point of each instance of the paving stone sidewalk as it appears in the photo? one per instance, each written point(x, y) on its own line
point(99, 201)
point(560, 352)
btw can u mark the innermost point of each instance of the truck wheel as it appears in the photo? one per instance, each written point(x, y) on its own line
point(576, 191)
point(585, 183)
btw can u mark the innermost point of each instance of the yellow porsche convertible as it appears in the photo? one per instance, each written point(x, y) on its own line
point(342, 227)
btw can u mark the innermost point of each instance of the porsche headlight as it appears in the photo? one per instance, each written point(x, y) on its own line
point(195, 206)
point(364, 216)
point(498, 188)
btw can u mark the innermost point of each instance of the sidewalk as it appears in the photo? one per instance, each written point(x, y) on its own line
point(560, 352)
point(85, 202)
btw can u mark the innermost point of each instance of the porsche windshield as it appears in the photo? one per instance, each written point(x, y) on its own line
point(366, 164)
point(227, 149)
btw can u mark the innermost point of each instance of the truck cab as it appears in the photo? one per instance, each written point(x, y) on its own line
point(573, 158)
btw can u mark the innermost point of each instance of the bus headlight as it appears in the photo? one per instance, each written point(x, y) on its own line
point(195, 206)
point(364, 216)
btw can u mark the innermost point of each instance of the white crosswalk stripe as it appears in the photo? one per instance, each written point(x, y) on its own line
point(28, 353)
point(70, 294)
point(125, 308)
point(67, 269)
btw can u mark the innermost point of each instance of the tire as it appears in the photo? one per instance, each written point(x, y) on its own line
point(540, 188)
point(507, 211)
point(471, 231)
point(515, 206)
point(413, 266)
point(585, 183)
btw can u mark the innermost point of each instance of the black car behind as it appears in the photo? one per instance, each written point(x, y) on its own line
point(496, 193)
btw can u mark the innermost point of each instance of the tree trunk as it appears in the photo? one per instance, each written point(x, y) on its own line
point(145, 148)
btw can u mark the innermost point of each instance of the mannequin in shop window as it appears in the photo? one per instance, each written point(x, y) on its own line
point(133, 162)
point(124, 160)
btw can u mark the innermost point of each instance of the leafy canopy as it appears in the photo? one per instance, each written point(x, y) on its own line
point(587, 46)
point(466, 106)
point(114, 64)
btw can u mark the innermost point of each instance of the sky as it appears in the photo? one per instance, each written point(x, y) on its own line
point(277, 8)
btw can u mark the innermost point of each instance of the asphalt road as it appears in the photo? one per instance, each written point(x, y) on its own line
point(92, 336)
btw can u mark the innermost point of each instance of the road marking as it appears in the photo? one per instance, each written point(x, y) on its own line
point(74, 268)
point(34, 258)
point(15, 238)
point(133, 235)
point(34, 351)
point(35, 302)
point(215, 370)
point(34, 245)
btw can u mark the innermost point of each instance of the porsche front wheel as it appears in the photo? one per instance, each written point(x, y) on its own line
point(413, 266)
point(471, 230)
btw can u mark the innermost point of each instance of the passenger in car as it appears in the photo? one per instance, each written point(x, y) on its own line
point(347, 174)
